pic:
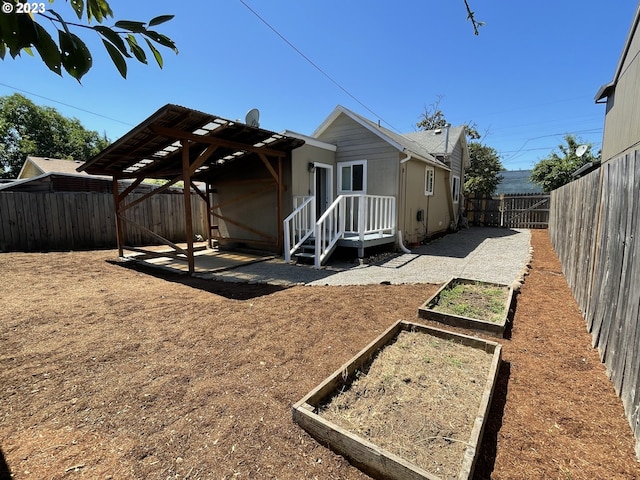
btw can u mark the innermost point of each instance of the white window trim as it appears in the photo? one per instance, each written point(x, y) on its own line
point(456, 195)
point(429, 180)
point(364, 176)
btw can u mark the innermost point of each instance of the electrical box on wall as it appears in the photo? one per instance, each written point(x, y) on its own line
point(420, 215)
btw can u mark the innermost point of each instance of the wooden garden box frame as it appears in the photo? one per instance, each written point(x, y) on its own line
point(368, 457)
point(495, 328)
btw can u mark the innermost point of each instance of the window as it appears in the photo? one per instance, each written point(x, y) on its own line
point(429, 180)
point(352, 177)
point(455, 188)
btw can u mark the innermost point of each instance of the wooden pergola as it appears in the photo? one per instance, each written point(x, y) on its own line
point(180, 144)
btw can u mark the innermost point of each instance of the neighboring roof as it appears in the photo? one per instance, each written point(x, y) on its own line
point(153, 149)
point(73, 182)
point(398, 141)
point(606, 89)
point(517, 181)
point(46, 165)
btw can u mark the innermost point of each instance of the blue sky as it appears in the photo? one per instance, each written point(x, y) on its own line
point(526, 80)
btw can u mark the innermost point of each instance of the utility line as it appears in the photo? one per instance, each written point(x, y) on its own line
point(66, 104)
point(331, 79)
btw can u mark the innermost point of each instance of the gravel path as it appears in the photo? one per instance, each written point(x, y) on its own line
point(482, 253)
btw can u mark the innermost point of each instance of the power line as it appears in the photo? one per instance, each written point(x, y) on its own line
point(299, 52)
point(66, 104)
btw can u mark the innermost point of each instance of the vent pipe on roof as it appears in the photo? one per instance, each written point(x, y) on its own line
point(446, 140)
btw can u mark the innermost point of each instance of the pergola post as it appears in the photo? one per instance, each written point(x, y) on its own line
point(186, 178)
point(116, 210)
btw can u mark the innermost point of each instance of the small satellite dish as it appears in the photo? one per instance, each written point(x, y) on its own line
point(253, 117)
point(581, 150)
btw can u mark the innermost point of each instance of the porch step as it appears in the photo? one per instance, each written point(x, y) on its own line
point(307, 251)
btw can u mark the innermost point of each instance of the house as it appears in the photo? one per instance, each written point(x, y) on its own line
point(405, 187)
point(622, 97)
point(350, 183)
point(35, 166)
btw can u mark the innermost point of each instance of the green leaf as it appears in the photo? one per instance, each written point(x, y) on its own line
point(29, 51)
point(48, 50)
point(98, 9)
point(76, 58)
point(136, 27)
point(116, 58)
point(3, 50)
point(161, 39)
point(114, 38)
point(78, 7)
point(161, 19)
point(155, 52)
point(135, 49)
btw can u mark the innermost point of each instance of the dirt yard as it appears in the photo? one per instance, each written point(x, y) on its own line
point(109, 372)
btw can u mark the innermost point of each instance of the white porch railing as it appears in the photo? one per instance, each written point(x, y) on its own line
point(348, 216)
point(299, 225)
point(359, 215)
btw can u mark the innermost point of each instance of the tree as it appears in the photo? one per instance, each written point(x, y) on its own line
point(483, 175)
point(28, 129)
point(432, 118)
point(555, 170)
point(21, 31)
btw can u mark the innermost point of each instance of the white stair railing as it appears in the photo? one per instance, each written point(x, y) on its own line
point(356, 215)
point(299, 226)
point(329, 229)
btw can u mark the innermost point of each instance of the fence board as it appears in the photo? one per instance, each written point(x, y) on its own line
point(594, 227)
point(85, 220)
point(511, 211)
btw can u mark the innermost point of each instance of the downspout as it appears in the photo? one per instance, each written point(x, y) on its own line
point(404, 204)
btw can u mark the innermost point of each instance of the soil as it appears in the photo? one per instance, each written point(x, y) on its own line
point(418, 399)
point(478, 300)
point(111, 372)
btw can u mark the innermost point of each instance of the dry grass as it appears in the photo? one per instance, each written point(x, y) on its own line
point(418, 399)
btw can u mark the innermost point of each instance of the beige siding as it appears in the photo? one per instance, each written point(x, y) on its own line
point(302, 180)
point(355, 142)
point(248, 197)
point(436, 216)
point(622, 121)
point(30, 171)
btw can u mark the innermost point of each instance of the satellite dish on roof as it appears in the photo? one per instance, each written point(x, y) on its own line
point(581, 150)
point(253, 117)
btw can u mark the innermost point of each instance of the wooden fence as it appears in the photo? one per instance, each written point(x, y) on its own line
point(511, 211)
point(33, 222)
point(595, 229)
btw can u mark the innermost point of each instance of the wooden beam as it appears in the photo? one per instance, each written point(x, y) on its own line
point(273, 173)
point(160, 238)
point(181, 135)
point(116, 204)
point(130, 188)
point(243, 226)
point(186, 176)
point(153, 192)
point(207, 200)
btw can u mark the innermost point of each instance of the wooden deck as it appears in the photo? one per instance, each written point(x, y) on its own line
point(370, 240)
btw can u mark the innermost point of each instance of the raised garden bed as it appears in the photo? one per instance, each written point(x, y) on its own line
point(411, 405)
point(470, 304)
